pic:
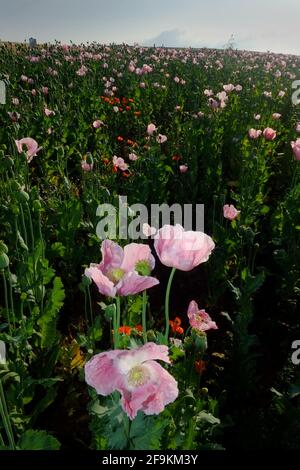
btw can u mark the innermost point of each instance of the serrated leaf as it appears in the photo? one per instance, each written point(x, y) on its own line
point(38, 440)
point(48, 320)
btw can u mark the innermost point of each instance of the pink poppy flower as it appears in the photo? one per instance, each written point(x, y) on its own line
point(257, 117)
point(86, 166)
point(269, 133)
point(213, 103)
point(183, 168)
point(119, 271)
point(254, 134)
point(14, 116)
point(143, 383)
point(161, 139)
point(120, 163)
point(296, 149)
point(180, 249)
point(31, 146)
point(199, 319)
point(276, 116)
point(151, 128)
point(15, 101)
point(82, 71)
point(97, 124)
point(33, 92)
point(48, 112)
point(133, 157)
point(281, 94)
point(45, 90)
point(230, 212)
point(298, 127)
point(228, 88)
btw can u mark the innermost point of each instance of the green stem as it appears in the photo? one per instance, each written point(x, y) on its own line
point(22, 317)
point(118, 319)
point(6, 300)
point(30, 226)
point(6, 420)
point(11, 299)
point(23, 225)
point(167, 304)
point(116, 331)
point(144, 324)
point(91, 313)
point(85, 309)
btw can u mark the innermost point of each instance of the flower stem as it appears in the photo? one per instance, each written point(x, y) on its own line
point(91, 315)
point(118, 321)
point(6, 301)
point(5, 418)
point(167, 303)
point(144, 323)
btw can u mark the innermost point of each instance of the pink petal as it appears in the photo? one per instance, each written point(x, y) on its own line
point(105, 286)
point(135, 252)
point(101, 373)
point(132, 283)
point(112, 256)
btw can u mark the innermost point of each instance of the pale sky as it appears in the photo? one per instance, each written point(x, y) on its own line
point(256, 24)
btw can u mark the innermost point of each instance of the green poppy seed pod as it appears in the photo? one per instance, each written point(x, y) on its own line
point(23, 196)
point(37, 206)
point(4, 261)
point(23, 296)
point(15, 210)
point(86, 281)
point(9, 161)
point(3, 247)
point(151, 335)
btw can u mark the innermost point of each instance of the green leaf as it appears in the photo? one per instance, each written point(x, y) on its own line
point(21, 241)
point(206, 417)
point(253, 283)
point(48, 320)
point(146, 432)
point(38, 440)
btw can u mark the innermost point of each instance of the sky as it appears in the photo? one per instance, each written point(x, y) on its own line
point(261, 25)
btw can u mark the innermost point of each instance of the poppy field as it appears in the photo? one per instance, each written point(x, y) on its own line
point(179, 338)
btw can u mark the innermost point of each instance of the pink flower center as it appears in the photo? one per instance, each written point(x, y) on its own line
point(115, 275)
point(199, 318)
point(137, 376)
